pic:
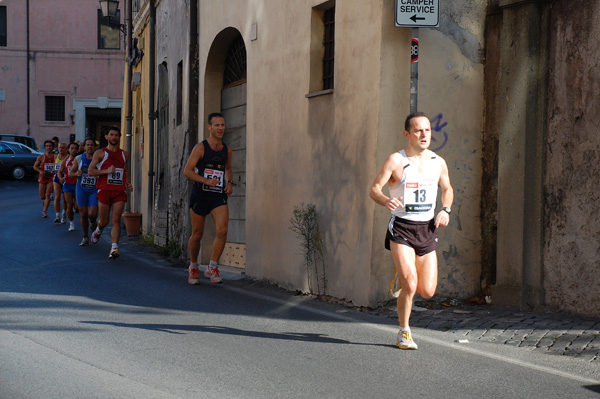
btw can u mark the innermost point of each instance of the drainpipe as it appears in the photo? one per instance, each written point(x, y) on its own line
point(28, 74)
point(152, 114)
point(129, 117)
point(193, 78)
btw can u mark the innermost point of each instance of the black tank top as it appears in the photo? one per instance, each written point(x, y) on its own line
point(211, 166)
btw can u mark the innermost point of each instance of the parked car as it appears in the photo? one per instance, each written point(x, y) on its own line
point(19, 138)
point(15, 161)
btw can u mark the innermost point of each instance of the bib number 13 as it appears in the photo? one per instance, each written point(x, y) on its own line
point(420, 196)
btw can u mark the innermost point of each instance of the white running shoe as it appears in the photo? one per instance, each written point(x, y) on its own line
point(193, 275)
point(114, 253)
point(85, 242)
point(96, 235)
point(212, 273)
point(395, 287)
point(71, 226)
point(404, 341)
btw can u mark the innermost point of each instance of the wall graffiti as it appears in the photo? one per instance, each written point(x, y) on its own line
point(439, 137)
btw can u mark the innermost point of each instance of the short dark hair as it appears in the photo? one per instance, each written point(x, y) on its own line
point(115, 128)
point(89, 138)
point(73, 143)
point(48, 141)
point(411, 116)
point(214, 115)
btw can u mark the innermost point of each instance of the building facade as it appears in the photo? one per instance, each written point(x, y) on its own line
point(315, 94)
point(61, 69)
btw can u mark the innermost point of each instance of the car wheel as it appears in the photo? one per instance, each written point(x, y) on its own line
point(18, 173)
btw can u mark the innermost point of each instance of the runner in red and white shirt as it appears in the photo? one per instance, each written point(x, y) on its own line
point(109, 164)
point(44, 165)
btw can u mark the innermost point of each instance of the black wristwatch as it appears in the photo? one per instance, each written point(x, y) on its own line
point(447, 209)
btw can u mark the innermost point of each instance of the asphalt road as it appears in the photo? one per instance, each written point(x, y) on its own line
point(74, 324)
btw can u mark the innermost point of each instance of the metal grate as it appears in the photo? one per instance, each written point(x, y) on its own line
point(55, 108)
point(235, 64)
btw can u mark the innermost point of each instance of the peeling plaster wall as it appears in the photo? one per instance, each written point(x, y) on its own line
point(172, 47)
point(572, 232)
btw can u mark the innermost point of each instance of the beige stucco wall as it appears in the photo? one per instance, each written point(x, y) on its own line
point(326, 150)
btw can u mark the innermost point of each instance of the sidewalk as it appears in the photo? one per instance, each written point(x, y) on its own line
point(552, 333)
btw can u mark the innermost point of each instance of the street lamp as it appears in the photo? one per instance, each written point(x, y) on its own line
point(109, 8)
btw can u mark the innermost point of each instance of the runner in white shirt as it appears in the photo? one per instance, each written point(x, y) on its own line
point(413, 176)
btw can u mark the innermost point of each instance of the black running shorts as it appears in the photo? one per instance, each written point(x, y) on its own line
point(421, 236)
point(204, 207)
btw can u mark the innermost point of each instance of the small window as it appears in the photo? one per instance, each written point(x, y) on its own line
point(55, 108)
point(329, 47)
point(179, 93)
point(3, 28)
point(322, 49)
point(108, 32)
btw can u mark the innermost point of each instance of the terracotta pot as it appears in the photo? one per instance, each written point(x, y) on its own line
point(133, 223)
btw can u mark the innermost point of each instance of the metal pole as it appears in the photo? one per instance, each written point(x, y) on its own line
point(152, 113)
point(414, 69)
point(28, 74)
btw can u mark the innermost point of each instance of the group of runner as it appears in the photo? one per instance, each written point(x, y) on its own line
point(99, 179)
point(86, 179)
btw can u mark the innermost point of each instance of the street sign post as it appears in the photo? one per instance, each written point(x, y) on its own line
point(417, 13)
point(414, 69)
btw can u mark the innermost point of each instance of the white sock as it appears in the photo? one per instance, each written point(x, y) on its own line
point(194, 265)
point(405, 329)
point(72, 224)
point(212, 264)
point(115, 246)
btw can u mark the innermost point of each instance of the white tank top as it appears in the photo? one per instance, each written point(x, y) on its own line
point(418, 190)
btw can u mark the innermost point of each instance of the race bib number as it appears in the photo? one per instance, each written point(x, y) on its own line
point(57, 166)
point(49, 168)
point(88, 181)
point(419, 197)
point(116, 177)
point(214, 174)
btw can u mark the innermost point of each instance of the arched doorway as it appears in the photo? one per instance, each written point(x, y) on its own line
point(225, 90)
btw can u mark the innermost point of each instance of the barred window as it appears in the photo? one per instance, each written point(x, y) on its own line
point(329, 47)
point(179, 119)
point(55, 108)
point(3, 30)
point(235, 63)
